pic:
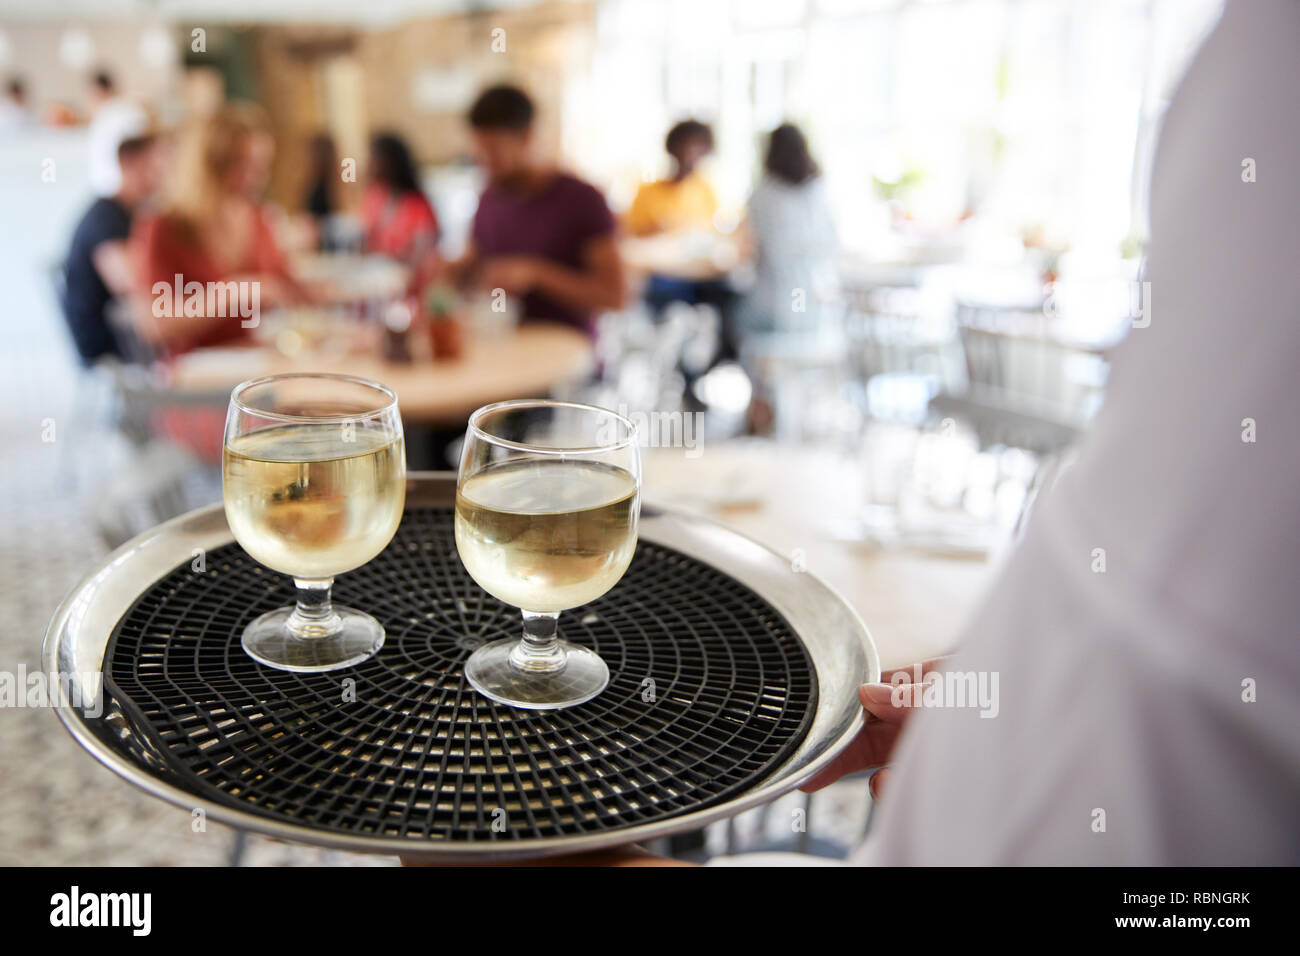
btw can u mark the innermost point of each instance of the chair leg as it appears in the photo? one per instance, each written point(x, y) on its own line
point(83, 407)
point(238, 847)
point(802, 838)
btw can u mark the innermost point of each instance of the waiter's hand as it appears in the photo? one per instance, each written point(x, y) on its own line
point(874, 744)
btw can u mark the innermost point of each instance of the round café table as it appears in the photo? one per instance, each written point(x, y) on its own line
point(687, 256)
point(528, 362)
point(351, 278)
point(796, 504)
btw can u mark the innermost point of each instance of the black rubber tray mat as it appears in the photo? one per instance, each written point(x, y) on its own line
point(710, 691)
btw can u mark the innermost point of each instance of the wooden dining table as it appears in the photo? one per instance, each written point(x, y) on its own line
point(529, 361)
point(794, 500)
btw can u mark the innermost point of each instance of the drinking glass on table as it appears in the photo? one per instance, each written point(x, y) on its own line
point(547, 503)
point(313, 473)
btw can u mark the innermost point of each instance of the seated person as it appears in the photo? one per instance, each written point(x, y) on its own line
point(790, 225)
point(212, 230)
point(684, 200)
point(538, 233)
point(397, 219)
point(98, 268)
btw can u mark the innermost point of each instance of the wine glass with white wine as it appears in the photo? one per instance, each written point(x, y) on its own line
point(313, 473)
point(547, 504)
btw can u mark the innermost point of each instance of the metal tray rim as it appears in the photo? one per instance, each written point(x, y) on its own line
point(841, 717)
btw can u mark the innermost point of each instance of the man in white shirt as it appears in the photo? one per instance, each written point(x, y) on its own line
point(1146, 632)
point(113, 120)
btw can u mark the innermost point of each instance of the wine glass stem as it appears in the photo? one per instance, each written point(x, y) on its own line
point(314, 616)
point(539, 652)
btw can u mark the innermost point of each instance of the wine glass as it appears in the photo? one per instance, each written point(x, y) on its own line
point(313, 473)
point(546, 513)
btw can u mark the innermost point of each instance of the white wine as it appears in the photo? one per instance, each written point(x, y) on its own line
point(314, 500)
point(547, 535)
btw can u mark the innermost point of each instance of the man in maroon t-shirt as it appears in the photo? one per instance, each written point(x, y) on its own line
point(538, 233)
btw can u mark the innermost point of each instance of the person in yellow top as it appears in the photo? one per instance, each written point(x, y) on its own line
point(683, 201)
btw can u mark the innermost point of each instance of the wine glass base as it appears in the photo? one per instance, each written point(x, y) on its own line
point(490, 672)
point(269, 641)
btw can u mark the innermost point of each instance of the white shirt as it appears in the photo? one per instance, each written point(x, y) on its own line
point(1122, 692)
point(116, 120)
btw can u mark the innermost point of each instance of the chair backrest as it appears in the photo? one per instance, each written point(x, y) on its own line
point(130, 346)
point(999, 422)
point(159, 481)
point(58, 277)
point(1017, 356)
point(130, 343)
point(901, 331)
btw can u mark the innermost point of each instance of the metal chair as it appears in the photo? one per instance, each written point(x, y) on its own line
point(162, 478)
point(1016, 360)
point(902, 349)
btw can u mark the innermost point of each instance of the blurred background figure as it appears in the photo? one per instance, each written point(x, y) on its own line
point(320, 198)
point(685, 200)
point(681, 208)
point(212, 228)
point(100, 270)
point(786, 330)
point(540, 234)
point(15, 114)
point(788, 221)
point(397, 217)
point(112, 117)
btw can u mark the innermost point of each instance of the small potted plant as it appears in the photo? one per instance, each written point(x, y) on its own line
point(445, 332)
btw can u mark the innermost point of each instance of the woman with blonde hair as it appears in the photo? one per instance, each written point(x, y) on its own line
point(212, 231)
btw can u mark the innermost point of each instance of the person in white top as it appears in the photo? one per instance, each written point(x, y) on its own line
point(788, 220)
point(113, 120)
point(1146, 632)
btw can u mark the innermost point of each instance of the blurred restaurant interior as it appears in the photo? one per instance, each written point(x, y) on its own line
point(854, 266)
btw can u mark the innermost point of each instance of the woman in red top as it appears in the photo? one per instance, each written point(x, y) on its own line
point(398, 219)
point(212, 231)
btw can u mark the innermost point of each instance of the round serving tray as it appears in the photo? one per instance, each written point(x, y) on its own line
point(837, 646)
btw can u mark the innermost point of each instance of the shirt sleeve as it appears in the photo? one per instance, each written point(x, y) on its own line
point(111, 223)
point(592, 216)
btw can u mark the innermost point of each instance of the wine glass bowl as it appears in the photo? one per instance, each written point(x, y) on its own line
point(313, 475)
point(547, 503)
